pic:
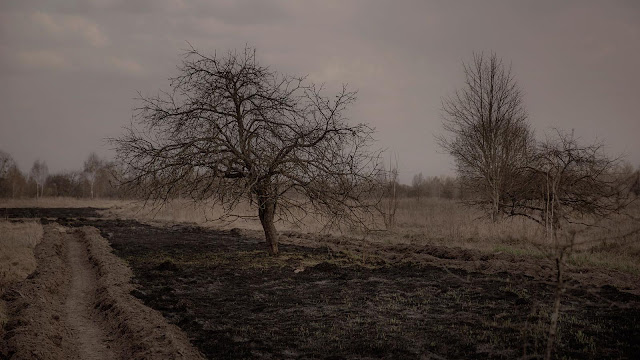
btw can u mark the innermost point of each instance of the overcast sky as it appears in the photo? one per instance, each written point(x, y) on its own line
point(70, 70)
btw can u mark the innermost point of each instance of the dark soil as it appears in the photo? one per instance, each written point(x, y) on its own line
point(49, 212)
point(329, 302)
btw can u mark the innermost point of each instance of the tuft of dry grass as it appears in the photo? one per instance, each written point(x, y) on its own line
point(17, 241)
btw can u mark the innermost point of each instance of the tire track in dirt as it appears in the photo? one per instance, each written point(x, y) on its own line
point(89, 335)
point(77, 305)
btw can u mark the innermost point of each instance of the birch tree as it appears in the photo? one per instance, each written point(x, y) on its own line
point(91, 168)
point(39, 173)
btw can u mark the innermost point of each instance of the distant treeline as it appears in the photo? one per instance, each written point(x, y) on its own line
point(445, 187)
point(94, 180)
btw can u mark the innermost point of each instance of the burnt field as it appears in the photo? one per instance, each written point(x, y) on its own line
point(333, 298)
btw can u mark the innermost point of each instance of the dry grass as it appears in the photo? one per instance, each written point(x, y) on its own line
point(428, 221)
point(431, 221)
point(185, 211)
point(17, 242)
point(450, 223)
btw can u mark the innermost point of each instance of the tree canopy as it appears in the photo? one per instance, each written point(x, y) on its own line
point(231, 130)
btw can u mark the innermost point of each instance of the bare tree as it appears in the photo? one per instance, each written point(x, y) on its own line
point(418, 185)
point(489, 135)
point(569, 188)
point(635, 182)
point(389, 183)
point(565, 182)
point(16, 180)
point(39, 173)
point(6, 163)
point(232, 130)
point(92, 166)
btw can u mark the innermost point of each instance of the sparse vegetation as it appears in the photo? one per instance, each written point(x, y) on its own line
point(17, 241)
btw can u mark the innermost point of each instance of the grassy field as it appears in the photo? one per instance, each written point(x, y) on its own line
point(434, 221)
point(431, 221)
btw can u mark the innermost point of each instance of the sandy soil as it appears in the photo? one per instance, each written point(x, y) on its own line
point(76, 305)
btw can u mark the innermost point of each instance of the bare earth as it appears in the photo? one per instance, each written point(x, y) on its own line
point(88, 334)
point(76, 305)
point(324, 298)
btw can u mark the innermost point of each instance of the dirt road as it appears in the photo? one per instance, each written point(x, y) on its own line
point(76, 305)
point(87, 329)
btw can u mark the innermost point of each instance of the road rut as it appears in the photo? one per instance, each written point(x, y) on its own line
point(88, 333)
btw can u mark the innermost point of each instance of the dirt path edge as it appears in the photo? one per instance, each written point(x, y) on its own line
point(36, 327)
point(139, 331)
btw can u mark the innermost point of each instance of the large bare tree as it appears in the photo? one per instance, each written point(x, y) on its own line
point(488, 134)
point(232, 130)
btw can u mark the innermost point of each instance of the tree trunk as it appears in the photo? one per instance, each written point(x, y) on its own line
point(555, 313)
point(495, 208)
point(266, 212)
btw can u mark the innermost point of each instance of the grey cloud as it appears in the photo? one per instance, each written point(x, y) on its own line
point(576, 61)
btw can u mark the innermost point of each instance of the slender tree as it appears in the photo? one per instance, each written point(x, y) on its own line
point(232, 130)
point(488, 134)
point(418, 184)
point(92, 167)
point(39, 173)
point(6, 163)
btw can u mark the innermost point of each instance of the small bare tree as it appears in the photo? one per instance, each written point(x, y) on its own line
point(389, 183)
point(418, 185)
point(39, 173)
point(6, 163)
point(568, 188)
point(565, 182)
point(92, 166)
point(232, 130)
point(489, 135)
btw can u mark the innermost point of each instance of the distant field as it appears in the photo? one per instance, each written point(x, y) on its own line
point(428, 221)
